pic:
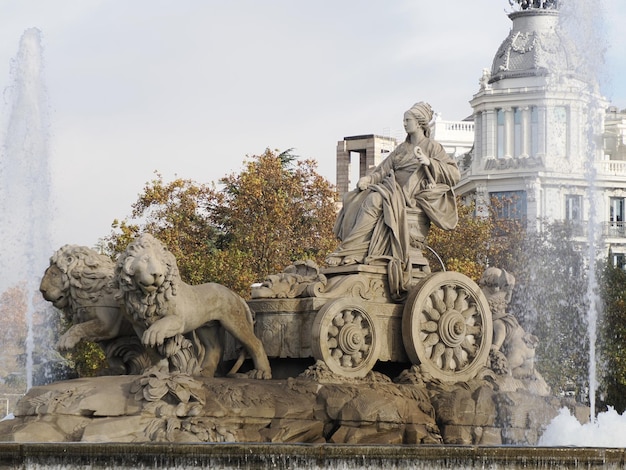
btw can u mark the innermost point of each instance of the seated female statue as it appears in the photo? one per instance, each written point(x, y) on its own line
point(417, 177)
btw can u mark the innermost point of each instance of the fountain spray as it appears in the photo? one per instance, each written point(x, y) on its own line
point(24, 182)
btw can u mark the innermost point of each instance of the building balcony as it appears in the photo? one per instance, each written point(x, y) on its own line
point(614, 230)
point(580, 229)
point(611, 167)
point(454, 131)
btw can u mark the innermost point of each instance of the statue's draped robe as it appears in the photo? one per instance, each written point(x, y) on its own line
point(400, 181)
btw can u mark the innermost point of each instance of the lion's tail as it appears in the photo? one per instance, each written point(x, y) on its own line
point(238, 363)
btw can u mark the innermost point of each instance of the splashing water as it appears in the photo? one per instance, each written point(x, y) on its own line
point(607, 430)
point(582, 22)
point(25, 206)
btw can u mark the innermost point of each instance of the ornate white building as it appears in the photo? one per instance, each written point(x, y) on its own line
point(537, 127)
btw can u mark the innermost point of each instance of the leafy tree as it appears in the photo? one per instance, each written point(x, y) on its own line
point(612, 336)
point(13, 332)
point(477, 242)
point(550, 301)
point(277, 212)
point(174, 212)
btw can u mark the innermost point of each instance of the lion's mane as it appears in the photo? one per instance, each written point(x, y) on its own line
point(85, 275)
point(146, 307)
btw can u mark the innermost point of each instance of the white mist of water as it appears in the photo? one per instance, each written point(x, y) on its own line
point(607, 430)
point(582, 23)
point(25, 205)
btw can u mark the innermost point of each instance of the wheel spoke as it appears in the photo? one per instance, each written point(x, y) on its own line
point(448, 363)
point(469, 312)
point(474, 330)
point(469, 346)
point(438, 303)
point(430, 327)
point(437, 352)
point(449, 297)
point(460, 303)
point(458, 356)
point(432, 314)
point(431, 340)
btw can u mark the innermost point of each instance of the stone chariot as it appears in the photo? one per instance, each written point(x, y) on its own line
point(347, 318)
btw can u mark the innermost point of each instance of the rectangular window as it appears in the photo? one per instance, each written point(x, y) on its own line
point(509, 204)
point(573, 207)
point(517, 132)
point(619, 260)
point(616, 215)
point(534, 131)
point(500, 133)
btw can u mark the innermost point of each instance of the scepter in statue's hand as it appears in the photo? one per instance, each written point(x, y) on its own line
point(425, 161)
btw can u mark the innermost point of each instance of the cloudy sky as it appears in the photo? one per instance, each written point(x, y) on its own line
point(188, 88)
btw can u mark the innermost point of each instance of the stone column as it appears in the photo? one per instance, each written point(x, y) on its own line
point(343, 167)
point(508, 132)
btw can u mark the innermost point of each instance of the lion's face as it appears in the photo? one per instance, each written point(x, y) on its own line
point(148, 270)
point(77, 276)
point(53, 287)
point(147, 266)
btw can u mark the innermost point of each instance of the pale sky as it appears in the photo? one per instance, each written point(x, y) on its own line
point(190, 87)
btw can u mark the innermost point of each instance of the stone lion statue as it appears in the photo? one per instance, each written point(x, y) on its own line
point(169, 312)
point(78, 282)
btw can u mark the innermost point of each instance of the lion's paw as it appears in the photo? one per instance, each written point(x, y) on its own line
point(67, 342)
point(260, 374)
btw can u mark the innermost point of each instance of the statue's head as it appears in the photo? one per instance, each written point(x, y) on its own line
point(423, 113)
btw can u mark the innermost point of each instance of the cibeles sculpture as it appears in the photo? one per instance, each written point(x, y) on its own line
point(336, 334)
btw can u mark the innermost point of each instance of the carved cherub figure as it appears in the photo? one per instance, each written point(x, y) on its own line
point(512, 349)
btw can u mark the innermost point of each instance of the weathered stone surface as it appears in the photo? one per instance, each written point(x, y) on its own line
point(460, 389)
point(358, 411)
point(485, 408)
point(487, 436)
point(102, 396)
point(457, 435)
point(455, 407)
point(118, 429)
point(179, 409)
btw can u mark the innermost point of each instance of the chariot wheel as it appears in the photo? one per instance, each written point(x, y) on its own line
point(447, 327)
point(345, 337)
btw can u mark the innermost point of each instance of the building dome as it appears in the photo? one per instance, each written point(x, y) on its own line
point(534, 47)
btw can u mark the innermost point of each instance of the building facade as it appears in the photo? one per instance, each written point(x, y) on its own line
point(537, 123)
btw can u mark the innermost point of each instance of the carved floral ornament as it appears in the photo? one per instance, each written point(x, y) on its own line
point(541, 44)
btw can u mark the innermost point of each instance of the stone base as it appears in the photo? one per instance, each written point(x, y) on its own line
point(314, 408)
